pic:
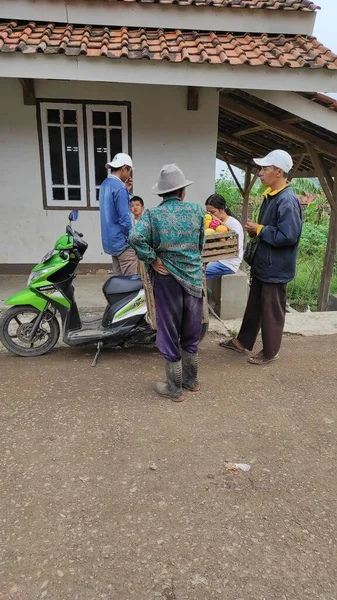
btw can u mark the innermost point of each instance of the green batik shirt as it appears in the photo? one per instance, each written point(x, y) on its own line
point(173, 232)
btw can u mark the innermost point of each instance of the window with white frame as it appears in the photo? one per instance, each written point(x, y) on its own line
point(77, 142)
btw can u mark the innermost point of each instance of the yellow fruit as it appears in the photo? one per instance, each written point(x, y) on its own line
point(209, 231)
point(221, 229)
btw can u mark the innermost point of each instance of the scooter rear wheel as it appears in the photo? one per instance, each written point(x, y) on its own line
point(16, 324)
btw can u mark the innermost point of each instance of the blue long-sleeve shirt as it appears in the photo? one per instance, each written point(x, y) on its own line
point(116, 223)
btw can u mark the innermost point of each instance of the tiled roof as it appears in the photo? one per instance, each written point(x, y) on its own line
point(306, 5)
point(322, 99)
point(174, 46)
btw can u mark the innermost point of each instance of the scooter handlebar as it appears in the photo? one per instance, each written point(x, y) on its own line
point(77, 253)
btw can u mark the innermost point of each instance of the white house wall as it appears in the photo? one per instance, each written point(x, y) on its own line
point(134, 14)
point(163, 131)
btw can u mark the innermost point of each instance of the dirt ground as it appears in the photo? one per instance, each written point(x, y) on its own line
point(107, 492)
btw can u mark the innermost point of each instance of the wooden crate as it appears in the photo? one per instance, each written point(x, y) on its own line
point(151, 308)
point(219, 246)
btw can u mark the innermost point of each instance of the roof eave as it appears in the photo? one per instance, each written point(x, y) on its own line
point(83, 68)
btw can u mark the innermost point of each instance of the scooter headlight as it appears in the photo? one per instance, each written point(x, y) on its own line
point(35, 275)
point(47, 256)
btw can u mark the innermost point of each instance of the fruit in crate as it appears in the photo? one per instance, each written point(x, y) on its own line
point(214, 223)
point(221, 229)
point(209, 231)
point(207, 220)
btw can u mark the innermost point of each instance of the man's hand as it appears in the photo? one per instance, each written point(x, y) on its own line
point(158, 266)
point(251, 227)
point(129, 184)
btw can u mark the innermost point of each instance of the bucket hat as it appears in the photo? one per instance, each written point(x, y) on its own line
point(171, 178)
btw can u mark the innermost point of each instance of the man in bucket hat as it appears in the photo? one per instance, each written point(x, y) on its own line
point(169, 240)
point(116, 222)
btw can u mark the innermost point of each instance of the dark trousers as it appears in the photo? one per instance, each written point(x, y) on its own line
point(265, 310)
point(178, 316)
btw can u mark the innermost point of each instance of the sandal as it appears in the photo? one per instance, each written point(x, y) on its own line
point(260, 359)
point(230, 345)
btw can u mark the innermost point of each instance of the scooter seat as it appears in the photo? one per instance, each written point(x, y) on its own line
point(122, 285)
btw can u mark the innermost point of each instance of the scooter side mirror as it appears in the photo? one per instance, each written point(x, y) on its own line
point(73, 216)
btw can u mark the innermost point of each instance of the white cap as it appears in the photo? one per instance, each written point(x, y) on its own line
point(171, 178)
point(119, 160)
point(276, 158)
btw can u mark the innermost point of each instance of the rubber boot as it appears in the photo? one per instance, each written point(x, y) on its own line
point(173, 386)
point(190, 371)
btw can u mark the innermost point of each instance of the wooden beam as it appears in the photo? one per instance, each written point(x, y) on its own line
point(28, 90)
point(231, 159)
point(225, 91)
point(192, 98)
point(324, 176)
point(252, 182)
point(245, 205)
point(235, 179)
point(249, 130)
point(297, 165)
point(291, 119)
point(304, 174)
point(256, 116)
point(296, 104)
point(330, 255)
point(247, 148)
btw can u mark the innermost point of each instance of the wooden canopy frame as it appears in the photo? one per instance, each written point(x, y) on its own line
point(251, 127)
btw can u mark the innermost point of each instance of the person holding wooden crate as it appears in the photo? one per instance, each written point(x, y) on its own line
point(169, 240)
point(217, 207)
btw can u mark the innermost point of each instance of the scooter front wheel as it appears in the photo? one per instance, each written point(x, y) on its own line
point(16, 325)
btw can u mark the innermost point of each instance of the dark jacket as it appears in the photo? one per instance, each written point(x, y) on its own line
point(275, 258)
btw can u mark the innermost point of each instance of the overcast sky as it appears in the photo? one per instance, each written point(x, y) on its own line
point(325, 28)
point(326, 32)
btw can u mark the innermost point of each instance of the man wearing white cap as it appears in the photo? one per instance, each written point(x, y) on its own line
point(169, 240)
point(116, 222)
point(273, 262)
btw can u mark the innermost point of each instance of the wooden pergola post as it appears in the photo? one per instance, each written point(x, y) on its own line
point(249, 184)
point(245, 190)
point(329, 186)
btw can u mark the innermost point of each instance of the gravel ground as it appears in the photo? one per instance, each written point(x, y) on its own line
point(108, 492)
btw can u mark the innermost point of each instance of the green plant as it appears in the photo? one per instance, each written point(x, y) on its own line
point(226, 186)
point(304, 186)
point(233, 333)
point(303, 290)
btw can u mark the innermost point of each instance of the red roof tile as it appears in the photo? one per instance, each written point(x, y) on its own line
point(322, 99)
point(306, 5)
point(175, 46)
